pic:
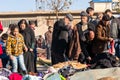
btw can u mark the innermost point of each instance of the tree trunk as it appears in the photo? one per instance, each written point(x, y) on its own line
point(57, 15)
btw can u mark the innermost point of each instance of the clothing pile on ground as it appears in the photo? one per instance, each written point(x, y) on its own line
point(104, 60)
point(62, 71)
point(6, 74)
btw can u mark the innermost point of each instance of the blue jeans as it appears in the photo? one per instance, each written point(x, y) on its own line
point(18, 59)
point(5, 59)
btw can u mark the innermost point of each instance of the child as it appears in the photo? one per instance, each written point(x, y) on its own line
point(3, 55)
point(14, 48)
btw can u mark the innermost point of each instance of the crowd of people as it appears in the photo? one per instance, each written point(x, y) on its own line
point(89, 41)
point(93, 41)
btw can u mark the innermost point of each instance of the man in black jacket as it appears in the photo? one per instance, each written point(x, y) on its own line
point(86, 35)
point(60, 39)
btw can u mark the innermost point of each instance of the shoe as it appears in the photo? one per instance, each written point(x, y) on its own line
point(24, 72)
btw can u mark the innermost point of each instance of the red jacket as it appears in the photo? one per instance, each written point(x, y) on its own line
point(1, 26)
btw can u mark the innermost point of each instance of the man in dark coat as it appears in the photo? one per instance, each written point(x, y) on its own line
point(82, 38)
point(60, 39)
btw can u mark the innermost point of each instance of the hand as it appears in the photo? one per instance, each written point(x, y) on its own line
point(89, 58)
point(11, 57)
point(110, 39)
point(31, 49)
point(26, 49)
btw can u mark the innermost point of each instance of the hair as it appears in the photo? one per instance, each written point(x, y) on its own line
point(89, 9)
point(106, 17)
point(40, 36)
point(49, 27)
point(10, 25)
point(13, 27)
point(22, 21)
point(107, 10)
point(4, 36)
point(32, 22)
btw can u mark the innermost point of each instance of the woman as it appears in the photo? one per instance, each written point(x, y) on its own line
point(29, 39)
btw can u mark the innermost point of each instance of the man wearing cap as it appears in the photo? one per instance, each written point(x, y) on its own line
point(82, 37)
point(48, 40)
point(102, 36)
point(60, 40)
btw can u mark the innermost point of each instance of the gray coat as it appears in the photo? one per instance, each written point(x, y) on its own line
point(115, 28)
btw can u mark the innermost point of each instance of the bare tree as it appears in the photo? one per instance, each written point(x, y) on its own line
point(58, 5)
point(118, 9)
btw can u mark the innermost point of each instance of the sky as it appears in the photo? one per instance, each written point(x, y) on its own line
point(30, 5)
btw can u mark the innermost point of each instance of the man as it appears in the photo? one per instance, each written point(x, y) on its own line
point(32, 25)
point(98, 19)
point(82, 37)
point(60, 39)
point(102, 36)
point(48, 40)
point(114, 31)
point(90, 12)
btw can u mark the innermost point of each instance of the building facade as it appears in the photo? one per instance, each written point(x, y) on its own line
point(43, 19)
point(102, 5)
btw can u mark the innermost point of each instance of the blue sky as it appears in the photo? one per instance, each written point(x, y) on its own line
point(29, 5)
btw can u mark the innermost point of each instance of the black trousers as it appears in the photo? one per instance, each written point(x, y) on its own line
point(29, 61)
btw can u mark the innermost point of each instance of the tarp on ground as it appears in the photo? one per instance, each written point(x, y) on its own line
point(97, 74)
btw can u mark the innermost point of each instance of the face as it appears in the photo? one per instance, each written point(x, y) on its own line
point(91, 13)
point(32, 25)
point(16, 32)
point(4, 41)
point(100, 16)
point(66, 20)
point(51, 29)
point(106, 22)
point(84, 19)
point(22, 26)
point(109, 13)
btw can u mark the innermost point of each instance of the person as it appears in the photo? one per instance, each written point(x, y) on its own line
point(90, 12)
point(48, 40)
point(41, 42)
point(14, 48)
point(29, 39)
point(114, 32)
point(81, 41)
point(98, 19)
point(32, 25)
point(9, 28)
point(1, 27)
point(4, 56)
point(102, 36)
point(60, 39)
